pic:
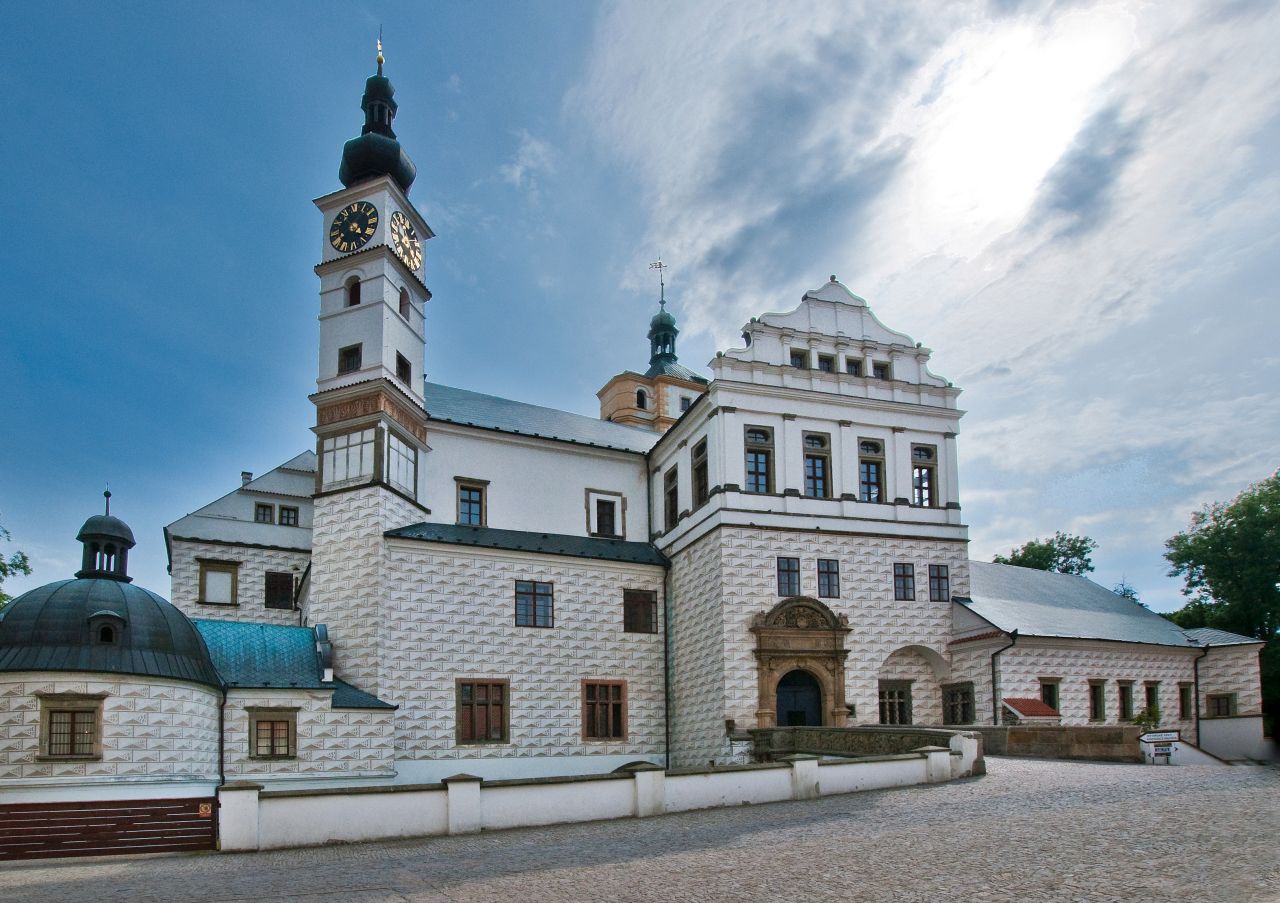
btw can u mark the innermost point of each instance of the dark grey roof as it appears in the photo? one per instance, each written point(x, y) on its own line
point(47, 629)
point(490, 412)
point(671, 368)
point(1209, 636)
point(106, 526)
point(251, 655)
point(1043, 603)
point(522, 541)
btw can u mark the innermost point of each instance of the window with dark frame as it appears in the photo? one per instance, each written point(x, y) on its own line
point(1151, 690)
point(353, 292)
point(288, 516)
point(853, 366)
point(826, 363)
point(279, 590)
point(817, 465)
point(404, 370)
point(1049, 692)
point(701, 483)
point(957, 703)
point(264, 513)
point(606, 517)
point(1220, 705)
point(685, 403)
point(72, 732)
point(870, 470)
point(639, 611)
point(604, 710)
point(904, 582)
point(470, 505)
point(788, 576)
point(642, 399)
point(219, 582)
point(1126, 701)
point(759, 444)
point(1097, 700)
point(482, 711)
point(349, 359)
point(273, 736)
point(404, 304)
point(535, 604)
point(800, 359)
point(924, 460)
point(879, 370)
point(939, 583)
point(1186, 709)
point(671, 498)
point(828, 578)
point(895, 702)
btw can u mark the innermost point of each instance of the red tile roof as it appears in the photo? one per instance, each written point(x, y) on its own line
point(1031, 708)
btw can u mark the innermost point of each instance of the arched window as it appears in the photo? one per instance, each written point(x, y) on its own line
point(642, 399)
point(404, 303)
point(106, 634)
point(353, 292)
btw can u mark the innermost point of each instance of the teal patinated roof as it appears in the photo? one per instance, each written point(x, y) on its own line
point(490, 412)
point(276, 656)
point(671, 368)
point(1047, 604)
point(52, 628)
point(1209, 636)
point(525, 541)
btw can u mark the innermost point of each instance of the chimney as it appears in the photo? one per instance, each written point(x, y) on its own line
point(246, 477)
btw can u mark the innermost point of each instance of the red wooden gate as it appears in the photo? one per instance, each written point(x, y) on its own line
point(105, 828)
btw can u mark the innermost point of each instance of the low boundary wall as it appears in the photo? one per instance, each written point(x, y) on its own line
point(1110, 743)
point(253, 819)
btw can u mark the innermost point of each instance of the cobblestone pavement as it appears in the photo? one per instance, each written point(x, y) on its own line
point(1028, 831)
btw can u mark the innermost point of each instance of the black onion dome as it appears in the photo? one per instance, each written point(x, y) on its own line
point(105, 526)
point(377, 152)
point(102, 625)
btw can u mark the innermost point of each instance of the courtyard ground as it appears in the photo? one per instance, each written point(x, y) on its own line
point(1028, 831)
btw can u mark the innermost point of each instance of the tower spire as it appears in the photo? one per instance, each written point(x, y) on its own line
point(106, 494)
point(380, 59)
point(377, 152)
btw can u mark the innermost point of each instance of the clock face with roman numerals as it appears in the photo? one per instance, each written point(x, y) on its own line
point(404, 239)
point(353, 227)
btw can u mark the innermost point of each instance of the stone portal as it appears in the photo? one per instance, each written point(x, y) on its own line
point(802, 635)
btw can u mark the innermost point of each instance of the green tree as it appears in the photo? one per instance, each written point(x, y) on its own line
point(16, 563)
point(1126, 590)
point(1063, 552)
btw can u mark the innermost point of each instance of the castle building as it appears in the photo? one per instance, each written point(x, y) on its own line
point(452, 582)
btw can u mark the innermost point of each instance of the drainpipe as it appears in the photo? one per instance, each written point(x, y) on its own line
point(1195, 671)
point(222, 738)
point(995, 694)
point(666, 624)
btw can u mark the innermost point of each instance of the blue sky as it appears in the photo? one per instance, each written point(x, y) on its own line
point(1076, 205)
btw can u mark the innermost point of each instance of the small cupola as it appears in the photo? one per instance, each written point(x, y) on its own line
point(377, 152)
point(107, 541)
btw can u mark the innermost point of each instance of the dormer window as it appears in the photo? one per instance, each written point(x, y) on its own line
point(106, 628)
point(106, 635)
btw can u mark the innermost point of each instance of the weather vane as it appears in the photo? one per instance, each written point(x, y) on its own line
point(662, 285)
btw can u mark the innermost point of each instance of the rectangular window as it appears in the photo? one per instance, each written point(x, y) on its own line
point(70, 726)
point(1126, 701)
point(471, 507)
point(788, 576)
point(685, 403)
point(279, 590)
point(895, 702)
point(701, 484)
point(273, 734)
point(828, 578)
point(639, 611)
point(671, 497)
point(800, 359)
point(604, 710)
point(1186, 710)
point(879, 370)
point(404, 370)
point(349, 358)
point(759, 443)
point(826, 363)
point(1097, 700)
point(534, 604)
point(218, 582)
point(264, 513)
point(606, 517)
point(817, 465)
point(1152, 690)
point(939, 583)
point(346, 459)
point(904, 582)
point(288, 516)
point(1049, 692)
point(870, 470)
point(1220, 705)
point(402, 465)
point(853, 366)
point(482, 711)
point(957, 703)
point(924, 459)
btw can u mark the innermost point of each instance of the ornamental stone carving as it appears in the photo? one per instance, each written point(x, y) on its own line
point(802, 634)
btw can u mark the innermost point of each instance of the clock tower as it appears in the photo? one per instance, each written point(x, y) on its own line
point(371, 420)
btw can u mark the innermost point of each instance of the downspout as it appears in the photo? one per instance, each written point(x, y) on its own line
point(666, 625)
point(222, 738)
point(995, 695)
point(1195, 671)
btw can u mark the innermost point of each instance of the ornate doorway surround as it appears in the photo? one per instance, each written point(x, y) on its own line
point(801, 633)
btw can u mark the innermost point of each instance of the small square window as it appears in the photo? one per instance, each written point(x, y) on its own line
point(800, 359)
point(853, 366)
point(828, 578)
point(685, 403)
point(604, 710)
point(535, 604)
point(404, 370)
point(904, 582)
point(788, 576)
point(273, 734)
point(279, 590)
point(639, 611)
point(471, 503)
point(826, 363)
point(288, 516)
point(70, 726)
point(349, 359)
point(218, 582)
point(482, 711)
point(264, 513)
point(880, 371)
point(1220, 705)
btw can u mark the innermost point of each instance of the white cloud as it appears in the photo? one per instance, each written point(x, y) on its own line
point(534, 159)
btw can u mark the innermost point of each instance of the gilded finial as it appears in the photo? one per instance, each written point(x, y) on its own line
point(380, 59)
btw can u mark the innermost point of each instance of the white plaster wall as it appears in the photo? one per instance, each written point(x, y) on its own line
point(251, 592)
point(152, 729)
point(1076, 662)
point(850, 777)
point(1237, 738)
point(339, 743)
point(697, 679)
point(549, 804)
point(728, 788)
point(972, 662)
point(534, 485)
point(288, 821)
point(1232, 669)
point(450, 614)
